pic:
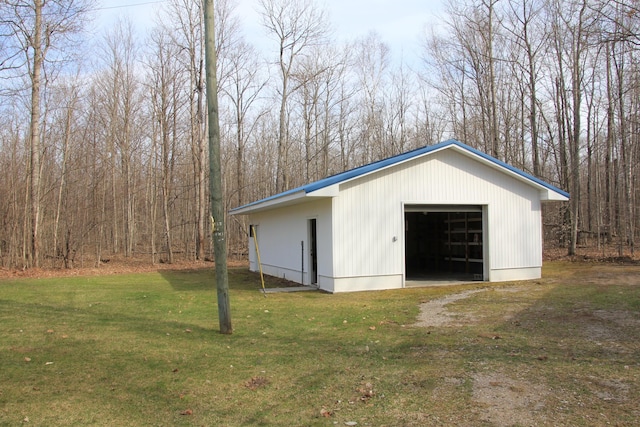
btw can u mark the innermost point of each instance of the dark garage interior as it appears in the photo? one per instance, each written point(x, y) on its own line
point(443, 245)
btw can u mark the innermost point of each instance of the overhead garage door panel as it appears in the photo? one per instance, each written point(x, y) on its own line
point(442, 208)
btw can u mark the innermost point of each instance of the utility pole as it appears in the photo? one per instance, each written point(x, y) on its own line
point(215, 173)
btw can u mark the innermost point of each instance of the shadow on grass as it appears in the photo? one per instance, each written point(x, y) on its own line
point(101, 359)
point(240, 279)
point(111, 358)
point(205, 279)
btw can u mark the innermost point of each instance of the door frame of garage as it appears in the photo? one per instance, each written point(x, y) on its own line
point(448, 207)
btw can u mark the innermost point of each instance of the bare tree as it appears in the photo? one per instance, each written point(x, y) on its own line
point(445, 71)
point(621, 19)
point(399, 105)
point(168, 102)
point(570, 34)
point(296, 25)
point(120, 92)
point(466, 63)
point(622, 61)
point(243, 88)
point(527, 32)
point(372, 64)
point(184, 21)
point(39, 30)
point(72, 94)
point(316, 100)
point(13, 188)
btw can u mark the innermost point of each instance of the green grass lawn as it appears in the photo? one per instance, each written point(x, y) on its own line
point(144, 349)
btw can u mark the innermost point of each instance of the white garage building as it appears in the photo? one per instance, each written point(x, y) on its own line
point(442, 212)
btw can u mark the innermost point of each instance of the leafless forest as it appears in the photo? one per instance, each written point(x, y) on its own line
point(103, 146)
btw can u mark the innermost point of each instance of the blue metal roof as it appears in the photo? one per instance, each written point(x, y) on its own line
point(372, 167)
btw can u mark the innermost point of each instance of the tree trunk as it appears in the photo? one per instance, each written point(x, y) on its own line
point(201, 167)
point(34, 133)
point(63, 171)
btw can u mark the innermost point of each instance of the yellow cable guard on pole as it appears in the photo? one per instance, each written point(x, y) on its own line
point(255, 243)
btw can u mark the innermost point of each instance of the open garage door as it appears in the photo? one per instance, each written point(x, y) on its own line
point(444, 242)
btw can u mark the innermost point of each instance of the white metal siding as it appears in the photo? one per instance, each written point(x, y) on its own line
point(367, 218)
point(280, 232)
point(368, 213)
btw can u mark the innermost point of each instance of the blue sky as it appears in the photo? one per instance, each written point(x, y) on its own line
point(398, 22)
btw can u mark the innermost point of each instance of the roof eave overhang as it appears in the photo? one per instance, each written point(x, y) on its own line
point(287, 200)
point(547, 195)
point(329, 191)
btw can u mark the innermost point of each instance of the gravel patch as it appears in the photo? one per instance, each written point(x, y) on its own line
point(435, 313)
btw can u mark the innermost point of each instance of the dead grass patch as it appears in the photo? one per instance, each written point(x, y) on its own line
point(435, 313)
point(508, 401)
point(256, 383)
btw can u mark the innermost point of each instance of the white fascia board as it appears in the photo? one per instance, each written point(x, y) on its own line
point(289, 199)
point(330, 191)
point(548, 195)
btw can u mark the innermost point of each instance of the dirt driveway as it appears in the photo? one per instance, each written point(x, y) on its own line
point(549, 352)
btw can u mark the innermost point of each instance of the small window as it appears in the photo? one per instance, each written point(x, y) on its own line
point(251, 230)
